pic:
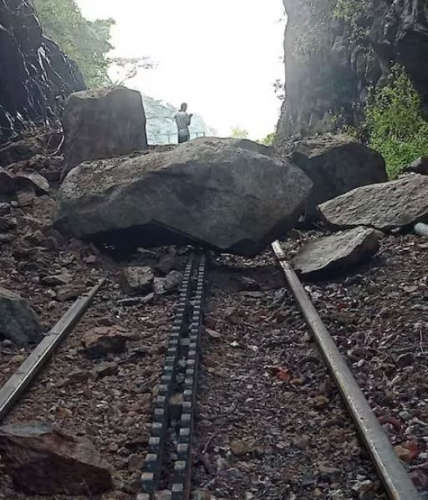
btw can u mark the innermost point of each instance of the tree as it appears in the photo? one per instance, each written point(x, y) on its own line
point(268, 140)
point(239, 133)
point(86, 42)
point(127, 68)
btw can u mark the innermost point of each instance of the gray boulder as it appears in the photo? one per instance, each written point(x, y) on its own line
point(221, 193)
point(336, 165)
point(385, 206)
point(44, 461)
point(103, 123)
point(337, 252)
point(18, 322)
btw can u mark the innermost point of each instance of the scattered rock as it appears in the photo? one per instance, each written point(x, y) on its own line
point(45, 461)
point(104, 340)
point(7, 238)
point(320, 402)
point(171, 282)
point(167, 262)
point(136, 280)
point(384, 206)
point(336, 165)
point(103, 123)
point(106, 369)
point(18, 322)
point(32, 181)
point(4, 207)
point(56, 280)
point(240, 447)
point(133, 301)
point(7, 223)
point(248, 284)
point(419, 166)
point(225, 193)
point(69, 292)
point(338, 252)
point(25, 197)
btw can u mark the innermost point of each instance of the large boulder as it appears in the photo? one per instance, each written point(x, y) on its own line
point(222, 193)
point(337, 252)
point(385, 206)
point(336, 165)
point(18, 322)
point(44, 461)
point(103, 123)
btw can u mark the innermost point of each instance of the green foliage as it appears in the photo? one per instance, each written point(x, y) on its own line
point(239, 133)
point(86, 42)
point(268, 140)
point(395, 124)
point(353, 13)
point(349, 10)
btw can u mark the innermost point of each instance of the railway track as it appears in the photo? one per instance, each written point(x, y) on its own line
point(168, 464)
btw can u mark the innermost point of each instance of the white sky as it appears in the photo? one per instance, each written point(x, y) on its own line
point(220, 56)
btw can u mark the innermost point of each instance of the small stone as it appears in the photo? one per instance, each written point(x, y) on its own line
point(248, 284)
point(240, 447)
point(135, 462)
point(134, 301)
point(320, 402)
point(101, 341)
point(136, 280)
point(404, 453)
point(106, 369)
point(56, 280)
point(301, 441)
point(69, 292)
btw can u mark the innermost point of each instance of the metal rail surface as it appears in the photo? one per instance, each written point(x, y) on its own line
point(25, 374)
point(393, 475)
point(172, 427)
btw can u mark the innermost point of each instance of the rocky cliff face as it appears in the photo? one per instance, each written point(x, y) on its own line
point(34, 74)
point(335, 50)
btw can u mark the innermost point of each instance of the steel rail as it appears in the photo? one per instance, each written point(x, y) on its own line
point(25, 374)
point(392, 473)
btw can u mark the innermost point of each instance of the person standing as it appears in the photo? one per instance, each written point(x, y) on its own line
point(183, 120)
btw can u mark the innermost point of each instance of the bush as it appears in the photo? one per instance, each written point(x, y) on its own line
point(395, 124)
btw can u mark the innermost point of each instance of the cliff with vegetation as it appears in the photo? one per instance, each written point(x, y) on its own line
point(35, 74)
point(348, 61)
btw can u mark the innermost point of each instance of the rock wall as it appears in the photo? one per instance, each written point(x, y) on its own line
point(35, 75)
point(332, 60)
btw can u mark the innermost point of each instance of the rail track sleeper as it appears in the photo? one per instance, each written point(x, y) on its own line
point(392, 473)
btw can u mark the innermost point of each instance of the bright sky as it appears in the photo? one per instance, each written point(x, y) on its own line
point(220, 56)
